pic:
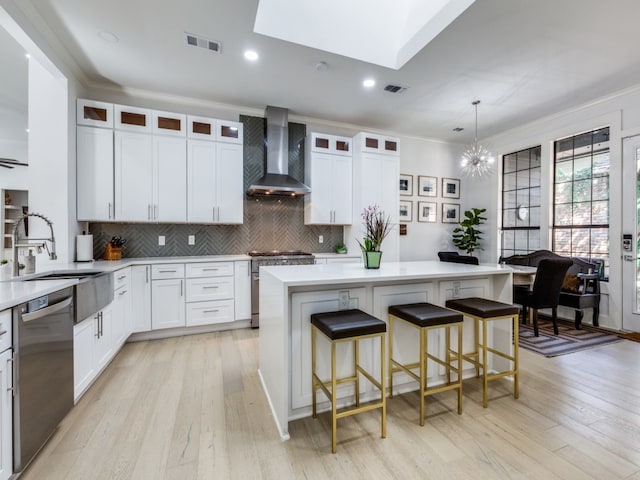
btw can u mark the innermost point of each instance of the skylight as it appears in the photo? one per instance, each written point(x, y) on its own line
point(374, 31)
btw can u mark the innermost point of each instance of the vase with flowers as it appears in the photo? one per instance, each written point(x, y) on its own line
point(377, 226)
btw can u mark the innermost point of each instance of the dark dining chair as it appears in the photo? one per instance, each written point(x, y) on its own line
point(545, 292)
point(455, 257)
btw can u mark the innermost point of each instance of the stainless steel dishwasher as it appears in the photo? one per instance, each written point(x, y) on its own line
point(43, 371)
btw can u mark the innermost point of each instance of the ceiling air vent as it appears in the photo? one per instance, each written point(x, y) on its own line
point(394, 88)
point(196, 41)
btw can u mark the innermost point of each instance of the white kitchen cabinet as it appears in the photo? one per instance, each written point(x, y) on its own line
point(6, 415)
point(167, 303)
point(94, 113)
point(303, 305)
point(169, 179)
point(133, 176)
point(215, 182)
point(121, 306)
point(376, 167)
point(140, 298)
point(94, 180)
point(242, 279)
point(92, 348)
point(132, 119)
point(6, 396)
point(150, 177)
point(210, 293)
point(328, 171)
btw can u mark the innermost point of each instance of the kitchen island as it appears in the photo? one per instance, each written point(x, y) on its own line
point(290, 294)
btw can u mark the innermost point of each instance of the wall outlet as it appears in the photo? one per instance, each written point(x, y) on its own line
point(161, 240)
point(192, 239)
point(320, 238)
point(343, 300)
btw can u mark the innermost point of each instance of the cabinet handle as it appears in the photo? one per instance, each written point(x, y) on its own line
point(167, 271)
point(155, 212)
point(209, 286)
point(97, 317)
point(146, 274)
point(181, 288)
point(210, 311)
point(101, 325)
point(148, 211)
point(210, 269)
point(11, 388)
point(121, 277)
point(3, 332)
point(109, 210)
point(213, 214)
point(122, 292)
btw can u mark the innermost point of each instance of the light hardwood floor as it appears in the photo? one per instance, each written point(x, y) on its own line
point(192, 408)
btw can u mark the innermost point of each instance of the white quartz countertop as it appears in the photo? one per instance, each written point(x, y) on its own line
point(16, 291)
point(303, 275)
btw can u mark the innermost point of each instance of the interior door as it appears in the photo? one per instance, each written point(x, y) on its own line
point(630, 231)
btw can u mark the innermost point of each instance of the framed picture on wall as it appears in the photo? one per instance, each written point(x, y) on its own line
point(427, 186)
point(427, 212)
point(406, 211)
point(450, 188)
point(450, 212)
point(406, 185)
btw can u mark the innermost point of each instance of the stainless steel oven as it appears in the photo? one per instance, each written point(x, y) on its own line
point(263, 259)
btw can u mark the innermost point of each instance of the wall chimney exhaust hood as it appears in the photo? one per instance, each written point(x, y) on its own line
point(277, 180)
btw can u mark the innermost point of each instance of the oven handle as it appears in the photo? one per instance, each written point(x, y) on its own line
point(29, 317)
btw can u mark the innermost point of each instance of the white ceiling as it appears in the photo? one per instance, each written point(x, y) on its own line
point(523, 59)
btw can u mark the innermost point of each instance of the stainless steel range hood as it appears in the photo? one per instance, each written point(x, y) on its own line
point(277, 180)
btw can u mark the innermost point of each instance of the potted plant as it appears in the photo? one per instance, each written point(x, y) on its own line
point(377, 227)
point(466, 236)
point(5, 269)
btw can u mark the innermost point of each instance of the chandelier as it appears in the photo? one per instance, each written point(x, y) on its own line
point(476, 161)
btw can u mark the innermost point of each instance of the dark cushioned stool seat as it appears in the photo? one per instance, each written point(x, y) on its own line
point(481, 307)
point(347, 323)
point(425, 314)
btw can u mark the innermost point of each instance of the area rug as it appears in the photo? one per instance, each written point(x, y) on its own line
point(568, 340)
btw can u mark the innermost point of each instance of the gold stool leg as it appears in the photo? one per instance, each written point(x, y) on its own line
point(356, 360)
point(516, 345)
point(314, 412)
point(423, 372)
point(447, 342)
point(485, 362)
point(390, 356)
point(334, 420)
point(459, 368)
point(383, 389)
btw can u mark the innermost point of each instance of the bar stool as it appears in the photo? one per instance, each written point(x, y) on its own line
point(348, 326)
point(485, 311)
point(426, 317)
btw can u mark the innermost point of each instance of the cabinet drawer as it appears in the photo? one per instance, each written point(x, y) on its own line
point(121, 278)
point(169, 270)
point(95, 114)
point(205, 289)
point(206, 313)
point(209, 269)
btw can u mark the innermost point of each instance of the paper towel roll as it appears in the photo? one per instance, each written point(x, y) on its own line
point(84, 248)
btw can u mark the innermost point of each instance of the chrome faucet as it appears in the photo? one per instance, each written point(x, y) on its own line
point(17, 246)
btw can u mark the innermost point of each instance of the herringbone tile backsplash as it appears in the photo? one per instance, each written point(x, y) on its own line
point(269, 223)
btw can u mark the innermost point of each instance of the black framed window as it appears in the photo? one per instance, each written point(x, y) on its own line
point(521, 202)
point(581, 195)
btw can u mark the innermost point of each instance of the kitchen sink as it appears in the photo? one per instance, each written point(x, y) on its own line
point(63, 275)
point(93, 292)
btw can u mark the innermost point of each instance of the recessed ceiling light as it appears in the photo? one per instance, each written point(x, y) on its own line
point(108, 36)
point(369, 82)
point(251, 55)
